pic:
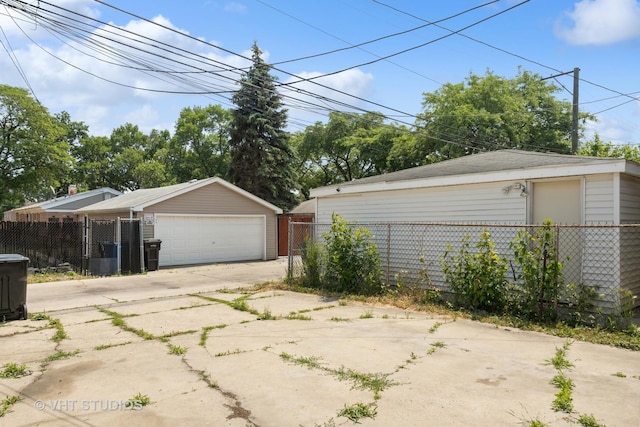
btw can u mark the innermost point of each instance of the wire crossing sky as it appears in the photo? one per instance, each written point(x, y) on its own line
point(112, 62)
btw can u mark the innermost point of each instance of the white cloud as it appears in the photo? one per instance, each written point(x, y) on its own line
point(334, 92)
point(235, 7)
point(600, 22)
point(84, 81)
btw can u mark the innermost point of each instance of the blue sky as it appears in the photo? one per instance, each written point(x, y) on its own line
point(547, 37)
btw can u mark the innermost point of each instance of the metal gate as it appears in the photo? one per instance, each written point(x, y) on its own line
point(114, 246)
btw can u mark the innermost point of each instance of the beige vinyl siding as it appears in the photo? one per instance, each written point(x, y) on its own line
point(630, 237)
point(599, 199)
point(463, 203)
point(216, 199)
point(629, 200)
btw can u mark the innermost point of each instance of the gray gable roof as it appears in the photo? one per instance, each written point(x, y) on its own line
point(139, 199)
point(493, 162)
point(60, 203)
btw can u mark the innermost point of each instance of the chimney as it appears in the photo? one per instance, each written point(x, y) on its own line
point(73, 190)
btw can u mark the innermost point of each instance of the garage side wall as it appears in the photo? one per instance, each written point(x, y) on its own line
point(630, 236)
point(216, 199)
point(461, 203)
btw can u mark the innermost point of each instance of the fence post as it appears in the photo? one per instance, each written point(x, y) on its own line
point(289, 248)
point(87, 247)
point(141, 229)
point(117, 241)
point(388, 252)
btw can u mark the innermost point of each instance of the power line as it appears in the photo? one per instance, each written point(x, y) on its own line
point(322, 103)
point(358, 45)
point(409, 49)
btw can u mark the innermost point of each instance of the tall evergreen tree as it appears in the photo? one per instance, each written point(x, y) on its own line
point(262, 160)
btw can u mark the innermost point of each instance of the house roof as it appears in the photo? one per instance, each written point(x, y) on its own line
point(58, 204)
point(306, 207)
point(139, 199)
point(485, 167)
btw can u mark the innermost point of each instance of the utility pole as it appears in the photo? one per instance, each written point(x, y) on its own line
point(574, 110)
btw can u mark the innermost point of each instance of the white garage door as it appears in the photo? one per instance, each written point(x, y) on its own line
point(188, 239)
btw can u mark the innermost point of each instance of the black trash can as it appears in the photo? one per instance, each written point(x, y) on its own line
point(152, 254)
point(106, 263)
point(109, 249)
point(13, 286)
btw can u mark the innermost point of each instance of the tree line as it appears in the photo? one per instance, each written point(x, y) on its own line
point(41, 154)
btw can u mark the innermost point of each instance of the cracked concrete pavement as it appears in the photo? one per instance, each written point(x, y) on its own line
point(205, 352)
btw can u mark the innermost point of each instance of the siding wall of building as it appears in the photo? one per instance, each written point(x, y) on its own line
point(461, 203)
point(629, 200)
point(630, 237)
point(608, 262)
point(599, 198)
point(216, 199)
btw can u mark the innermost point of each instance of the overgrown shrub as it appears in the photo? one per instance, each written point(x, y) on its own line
point(312, 261)
point(347, 262)
point(477, 280)
point(539, 273)
point(352, 260)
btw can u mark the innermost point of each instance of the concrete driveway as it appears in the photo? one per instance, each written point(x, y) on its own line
point(204, 352)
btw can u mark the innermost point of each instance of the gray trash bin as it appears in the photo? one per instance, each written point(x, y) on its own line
point(152, 254)
point(13, 286)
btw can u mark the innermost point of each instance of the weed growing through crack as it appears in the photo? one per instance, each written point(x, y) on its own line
point(559, 361)
point(340, 319)
point(297, 316)
point(561, 381)
point(536, 423)
point(375, 382)
point(358, 411)
point(60, 333)
point(176, 350)
point(309, 362)
point(241, 304)
point(563, 401)
point(434, 346)
point(322, 307)
point(139, 400)
point(266, 314)
point(38, 316)
point(117, 319)
point(588, 420)
point(619, 375)
point(435, 327)
point(230, 352)
point(343, 303)
point(205, 333)
point(60, 355)
point(7, 403)
point(106, 346)
point(363, 381)
point(13, 370)
point(367, 315)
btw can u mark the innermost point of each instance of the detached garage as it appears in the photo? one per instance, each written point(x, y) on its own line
point(199, 222)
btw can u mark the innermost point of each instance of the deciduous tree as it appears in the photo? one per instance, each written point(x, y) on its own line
point(34, 153)
point(490, 112)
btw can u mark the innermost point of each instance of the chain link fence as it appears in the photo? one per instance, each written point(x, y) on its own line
point(114, 246)
point(91, 247)
point(605, 258)
point(46, 244)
